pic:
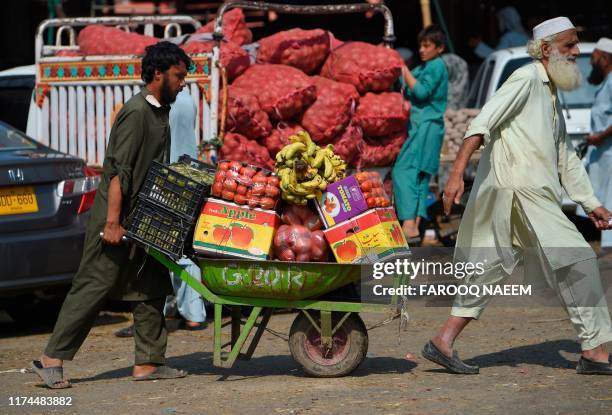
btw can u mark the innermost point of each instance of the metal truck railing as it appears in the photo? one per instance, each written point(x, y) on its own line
point(77, 97)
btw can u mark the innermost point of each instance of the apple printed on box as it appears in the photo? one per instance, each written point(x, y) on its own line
point(369, 237)
point(233, 230)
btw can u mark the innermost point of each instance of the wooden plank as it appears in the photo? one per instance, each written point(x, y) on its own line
point(127, 93)
point(108, 110)
point(63, 119)
point(100, 130)
point(72, 121)
point(43, 133)
point(118, 96)
point(81, 125)
point(90, 143)
point(53, 118)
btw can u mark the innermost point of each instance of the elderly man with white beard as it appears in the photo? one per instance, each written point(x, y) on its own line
point(514, 210)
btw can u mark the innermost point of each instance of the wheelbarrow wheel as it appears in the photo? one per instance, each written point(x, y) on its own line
point(349, 348)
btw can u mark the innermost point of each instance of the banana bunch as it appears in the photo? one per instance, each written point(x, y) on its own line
point(305, 169)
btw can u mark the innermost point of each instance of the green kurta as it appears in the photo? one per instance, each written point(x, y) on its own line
point(426, 127)
point(140, 134)
point(419, 157)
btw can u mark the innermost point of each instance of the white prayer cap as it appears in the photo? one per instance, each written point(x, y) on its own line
point(552, 27)
point(604, 44)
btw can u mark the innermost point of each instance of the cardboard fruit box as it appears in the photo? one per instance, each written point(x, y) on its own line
point(373, 236)
point(230, 230)
point(351, 196)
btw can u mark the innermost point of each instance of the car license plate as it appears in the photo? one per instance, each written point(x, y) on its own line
point(17, 200)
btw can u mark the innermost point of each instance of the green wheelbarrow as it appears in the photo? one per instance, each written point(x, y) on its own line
point(327, 337)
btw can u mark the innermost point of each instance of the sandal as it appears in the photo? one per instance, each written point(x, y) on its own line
point(162, 372)
point(52, 376)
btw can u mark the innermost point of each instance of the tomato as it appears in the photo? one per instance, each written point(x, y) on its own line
point(386, 202)
point(258, 190)
point(367, 195)
point(240, 199)
point(224, 165)
point(374, 175)
point(227, 195)
point(232, 174)
point(371, 201)
point(380, 201)
point(253, 202)
point(241, 189)
point(361, 176)
point(260, 178)
point(220, 175)
point(272, 191)
point(230, 184)
point(247, 171)
point(267, 203)
point(235, 165)
point(366, 186)
point(217, 188)
point(273, 181)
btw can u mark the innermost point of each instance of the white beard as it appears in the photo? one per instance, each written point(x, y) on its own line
point(563, 72)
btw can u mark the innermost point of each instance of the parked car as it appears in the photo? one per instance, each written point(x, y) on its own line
point(44, 199)
point(16, 88)
point(576, 104)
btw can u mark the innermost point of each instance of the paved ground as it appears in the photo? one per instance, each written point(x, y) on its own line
point(527, 359)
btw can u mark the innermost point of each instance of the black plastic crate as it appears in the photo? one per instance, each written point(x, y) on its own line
point(177, 191)
point(160, 229)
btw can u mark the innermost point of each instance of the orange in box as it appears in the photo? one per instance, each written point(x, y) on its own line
point(372, 236)
point(229, 229)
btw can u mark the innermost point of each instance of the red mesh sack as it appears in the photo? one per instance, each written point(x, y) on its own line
point(347, 144)
point(334, 42)
point(282, 91)
point(301, 215)
point(244, 115)
point(105, 40)
point(238, 147)
point(381, 152)
point(279, 137)
point(302, 49)
point(298, 243)
point(369, 68)
point(382, 114)
point(234, 27)
point(331, 112)
point(235, 59)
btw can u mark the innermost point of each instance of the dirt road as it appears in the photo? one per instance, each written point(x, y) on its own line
point(527, 359)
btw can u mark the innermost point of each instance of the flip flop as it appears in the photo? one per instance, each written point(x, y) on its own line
point(453, 364)
point(162, 372)
point(52, 376)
